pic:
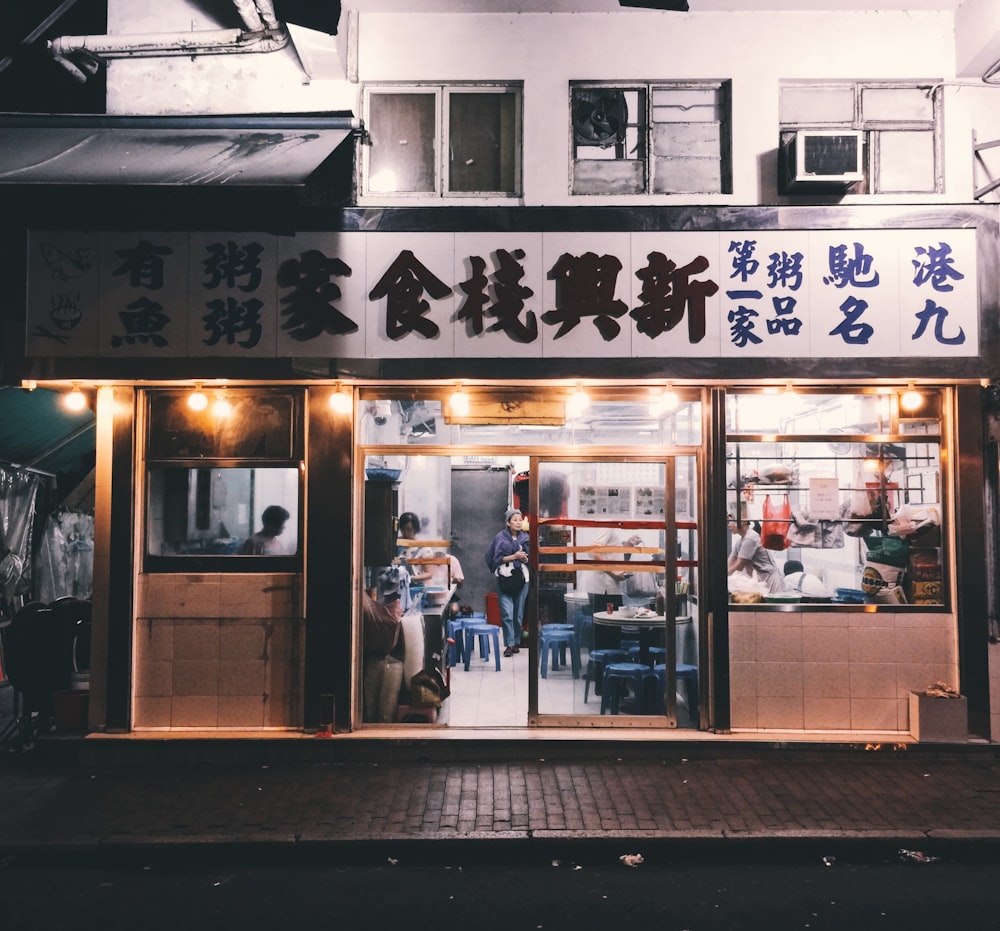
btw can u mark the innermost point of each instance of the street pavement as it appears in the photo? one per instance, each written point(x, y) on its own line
point(384, 800)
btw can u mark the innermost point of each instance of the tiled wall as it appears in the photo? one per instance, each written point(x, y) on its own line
point(218, 651)
point(834, 671)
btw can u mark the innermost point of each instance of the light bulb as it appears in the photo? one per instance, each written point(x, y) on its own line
point(911, 399)
point(197, 399)
point(459, 402)
point(76, 400)
point(341, 401)
point(577, 403)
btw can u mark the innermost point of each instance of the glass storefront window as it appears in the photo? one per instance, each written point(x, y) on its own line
point(633, 422)
point(223, 480)
point(834, 498)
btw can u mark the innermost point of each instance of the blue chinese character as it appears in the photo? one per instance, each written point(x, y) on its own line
point(938, 314)
point(785, 270)
point(852, 329)
point(782, 323)
point(935, 266)
point(742, 328)
point(855, 270)
point(744, 263)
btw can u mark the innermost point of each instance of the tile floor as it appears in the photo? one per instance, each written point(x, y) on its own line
point(483, 697)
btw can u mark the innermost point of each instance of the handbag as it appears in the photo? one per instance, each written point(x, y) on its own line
point(774, 528)
point(511, 581)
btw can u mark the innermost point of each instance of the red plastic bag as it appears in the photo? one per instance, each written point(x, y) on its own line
point(774, 528)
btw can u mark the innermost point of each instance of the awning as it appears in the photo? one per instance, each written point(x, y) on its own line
point(233, 151)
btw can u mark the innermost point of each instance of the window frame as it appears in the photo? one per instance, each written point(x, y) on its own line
point(211, 562)
point(652, 164)
point(873, 129)
point(442, 93)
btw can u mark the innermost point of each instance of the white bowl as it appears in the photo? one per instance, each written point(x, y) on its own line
point(627, 610)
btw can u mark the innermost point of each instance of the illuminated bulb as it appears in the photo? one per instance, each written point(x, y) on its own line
point(221, 408)
point(911, 399)
point(76, 400)
point(341, 401)
point(459, 402)
point(197, 399)
point(665, 402)
point(577, 403)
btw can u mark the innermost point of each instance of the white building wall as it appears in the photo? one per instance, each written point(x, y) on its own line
point(546, 51)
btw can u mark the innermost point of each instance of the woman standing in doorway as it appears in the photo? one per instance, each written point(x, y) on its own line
point(506, 557)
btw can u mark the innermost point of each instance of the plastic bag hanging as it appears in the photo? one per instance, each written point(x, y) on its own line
point(774, 528)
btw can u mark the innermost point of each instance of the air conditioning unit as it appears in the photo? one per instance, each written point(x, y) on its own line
point(829, 156)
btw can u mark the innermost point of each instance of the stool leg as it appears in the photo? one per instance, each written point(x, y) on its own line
point(543, 659)
point(496, 648)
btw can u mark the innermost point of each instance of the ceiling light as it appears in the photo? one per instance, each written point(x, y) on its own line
point(459, 401)
point(197, 399)
point(664, 402)
point(76, 400)
point(911, 399)
point(341, 401)
point(577, 403)
point(221, 408)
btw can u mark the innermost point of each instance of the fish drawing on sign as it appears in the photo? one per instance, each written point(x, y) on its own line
point(65, 266)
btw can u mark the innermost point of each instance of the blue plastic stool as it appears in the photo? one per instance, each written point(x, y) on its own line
point(456, 641)
point(686, 674)
point(657, 656)
point(556, 638)
point(595, 668)
point(468, 643)
point(616, 677)
point(484, 633)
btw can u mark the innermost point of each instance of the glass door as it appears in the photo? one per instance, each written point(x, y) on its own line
point(615, 630)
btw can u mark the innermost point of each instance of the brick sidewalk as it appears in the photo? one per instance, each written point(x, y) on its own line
point(775, 797)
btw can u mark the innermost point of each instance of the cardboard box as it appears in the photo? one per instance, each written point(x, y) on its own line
point(939, 720)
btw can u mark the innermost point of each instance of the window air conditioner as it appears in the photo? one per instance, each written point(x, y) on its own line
point(830, 155)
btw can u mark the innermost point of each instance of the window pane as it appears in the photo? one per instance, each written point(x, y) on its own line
point(222, 512)
point(482, 142)
point(402, 130)
point(899, 104)
point(812, 106)
point(246, 424)
point(905, 162)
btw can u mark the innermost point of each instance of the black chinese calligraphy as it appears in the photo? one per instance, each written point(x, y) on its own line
point(585, 287)
point(508, 298)
point(311, 308)
point(668, 294)
point(404, 284)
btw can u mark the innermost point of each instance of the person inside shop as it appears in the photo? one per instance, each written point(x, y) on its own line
point(265, 541)
point(409, 527)
point(805, 583)
point(507, 558)
point(749, 556)
point(610, 582)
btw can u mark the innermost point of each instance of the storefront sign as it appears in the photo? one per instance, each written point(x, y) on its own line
point(763, 294)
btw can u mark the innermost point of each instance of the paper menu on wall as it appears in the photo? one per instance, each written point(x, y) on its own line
point(824, 499)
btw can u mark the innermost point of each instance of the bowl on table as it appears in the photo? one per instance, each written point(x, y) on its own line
point(434, 596)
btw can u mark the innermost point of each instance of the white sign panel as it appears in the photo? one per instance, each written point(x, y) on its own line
point(782, 294)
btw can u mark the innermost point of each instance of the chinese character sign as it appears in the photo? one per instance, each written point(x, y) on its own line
point(780, 294)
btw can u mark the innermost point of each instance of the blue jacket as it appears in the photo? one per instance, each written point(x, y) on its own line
point(504, 544)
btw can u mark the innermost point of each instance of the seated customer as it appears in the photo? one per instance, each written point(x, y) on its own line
point(798, 580)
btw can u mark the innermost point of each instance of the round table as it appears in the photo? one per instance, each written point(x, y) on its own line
point(647, 626)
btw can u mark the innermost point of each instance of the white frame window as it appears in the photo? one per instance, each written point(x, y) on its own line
point(662, 137)
point(442, 140)
point(901, 123)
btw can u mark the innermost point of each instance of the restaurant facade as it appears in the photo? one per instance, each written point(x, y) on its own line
point(649, 310)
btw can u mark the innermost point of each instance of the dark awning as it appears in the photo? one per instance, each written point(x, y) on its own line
point(259, 151)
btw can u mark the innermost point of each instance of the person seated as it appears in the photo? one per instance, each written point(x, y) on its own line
point(265, 541)
point(798, 580)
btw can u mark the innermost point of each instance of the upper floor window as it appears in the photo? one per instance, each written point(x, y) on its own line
point(656, 138)
point(443, 140)
point(899, 126)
